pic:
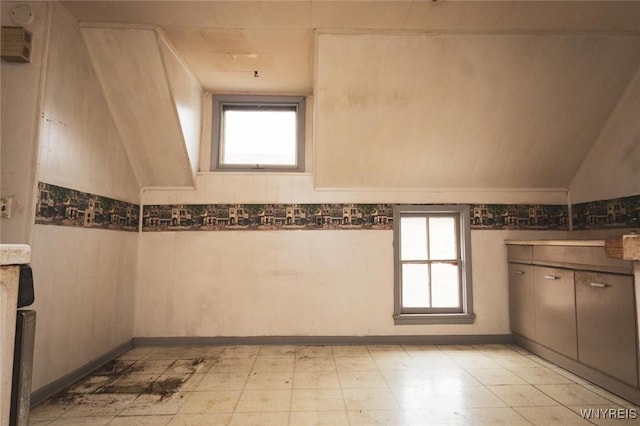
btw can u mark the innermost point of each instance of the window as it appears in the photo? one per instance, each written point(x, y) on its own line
point(432, 265)
point(258, 133)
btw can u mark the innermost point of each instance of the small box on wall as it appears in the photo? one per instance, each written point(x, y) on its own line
point(16, 44)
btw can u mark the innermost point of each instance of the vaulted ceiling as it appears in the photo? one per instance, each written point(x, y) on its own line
point(417, 93)
point(225, 41)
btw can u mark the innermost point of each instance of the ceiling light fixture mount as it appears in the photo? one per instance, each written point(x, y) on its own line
point(21, 15)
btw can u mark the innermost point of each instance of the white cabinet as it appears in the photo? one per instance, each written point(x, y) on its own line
point(521, 296)
point(555, 310)
point(573, 305)
point(607, 325)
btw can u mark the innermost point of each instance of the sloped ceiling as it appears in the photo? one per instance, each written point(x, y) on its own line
point(440, 111)
point(142, 86)
point(418, 93)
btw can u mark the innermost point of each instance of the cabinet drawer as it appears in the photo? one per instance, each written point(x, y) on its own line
point(591, 258)
point(555, 310)
point(607, 337)
point(516, 253)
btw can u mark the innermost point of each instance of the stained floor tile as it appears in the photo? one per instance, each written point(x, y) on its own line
point(209, 419)
point(211, 402)
point(362, 379)
point(315, 380)
point(573, 394)
point(369, 399)
point(153, 420)
point(540, 376)
point(495, 376)
point(264, 401)
point(329, 385)
point(82, 421)
point(319, 418)
point(260, 419)
point(314, 352)
point(494, 417)
point(522, 396)
point(222, 381)
point(270, 380)
point(545, 416)
point(317, 400)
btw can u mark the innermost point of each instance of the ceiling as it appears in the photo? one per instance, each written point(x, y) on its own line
point(417, 94)
point(224, 42)
point(459, 110)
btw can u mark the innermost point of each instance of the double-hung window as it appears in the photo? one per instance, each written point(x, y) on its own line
point(258, 133)
point(432, 264)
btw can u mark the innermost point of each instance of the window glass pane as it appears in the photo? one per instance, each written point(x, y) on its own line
point(445, 285)
point(415, 286)
point(413, 238)
point(255, 137)
point(442, 238)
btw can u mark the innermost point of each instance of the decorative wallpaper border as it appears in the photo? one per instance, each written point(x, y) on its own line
point(614, 213)
point(69, 207)
point(539, 217)
point(221, 217)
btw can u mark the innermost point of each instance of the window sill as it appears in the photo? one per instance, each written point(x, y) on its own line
point(265, 169)
point(240, 172)
point(403, 319)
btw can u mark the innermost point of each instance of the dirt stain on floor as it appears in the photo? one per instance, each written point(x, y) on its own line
point(166, 387)
point(117, 368)
point(118, 377)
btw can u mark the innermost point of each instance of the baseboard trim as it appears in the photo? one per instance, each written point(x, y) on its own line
point(49, 390)
point(326, 340)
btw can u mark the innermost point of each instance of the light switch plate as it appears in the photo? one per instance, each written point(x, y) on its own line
point(5, 207)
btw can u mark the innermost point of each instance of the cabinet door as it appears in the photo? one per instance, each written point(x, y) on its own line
point(521, 295)
point(555, 310)
point(607, 340)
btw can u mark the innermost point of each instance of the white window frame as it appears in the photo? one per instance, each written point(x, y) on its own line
point(256, 102)
point(463, 315)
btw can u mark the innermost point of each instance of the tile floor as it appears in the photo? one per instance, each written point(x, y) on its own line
point(330, 385)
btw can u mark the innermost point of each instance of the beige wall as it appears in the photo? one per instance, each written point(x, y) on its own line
point(187, 96)
point(320, 282)
point(84, 278)
point(153, 100)
point(265, 283)
point(255, 283)
point(80, 147)
point(20, 88)
point(84, 281)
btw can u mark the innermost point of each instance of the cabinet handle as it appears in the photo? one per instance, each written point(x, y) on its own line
point(519, 272)
point(599, 285)
point(551, 277)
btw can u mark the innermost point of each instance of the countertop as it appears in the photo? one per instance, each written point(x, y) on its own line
point(579, 243)
point(14, 254)
point(624, 247)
